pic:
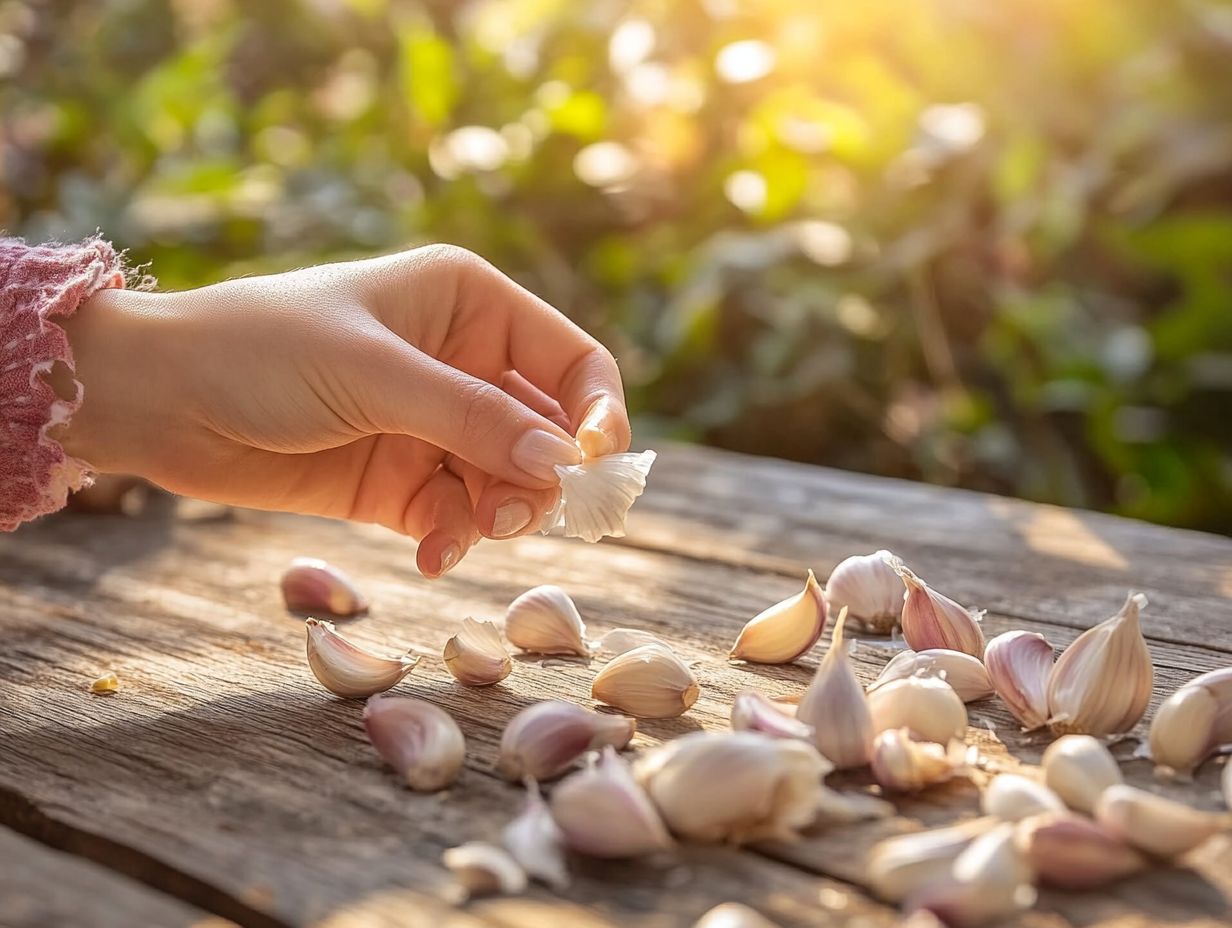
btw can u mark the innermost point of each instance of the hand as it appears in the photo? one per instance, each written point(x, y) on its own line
point(424, 391)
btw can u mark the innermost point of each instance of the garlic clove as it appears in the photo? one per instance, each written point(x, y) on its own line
point(1072, 852)
point(476, 656)
point(733, 915)
point(1193, 722)
point(106, 685)
point(1019, 664)
point(835, 707)
point(484, 869)
point(347, 670)
point(751, 711)
point(991, 879)
point(536, 841)
point(901, 764)
point(785, 631)
point(649, 682)
point(419, 740)
point(547, 738)
point(1158, 826)
point(620, 640)
point(870, 589)
point(1101, 684)
point(603, 812)
point(311, 585)
point(931, 620)
point(1078, 768)
point(544, 620)
point(966, 674)
point(596, 495)
point(927, 706)
point(1011, 798)
point(901, 866)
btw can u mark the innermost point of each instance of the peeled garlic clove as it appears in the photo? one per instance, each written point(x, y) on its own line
point(901, 866)
point(620, 640)
point(1019, 664)
point(1078, 768)
point(733, 915)
point(1072, 852)
point(966, 674)
point(484, 869)
point(347, 670)
point(649, 682)
point(476, 656)
point(315, 586)
point(990, 880)
point(603, 812)
point(903, 765)
point(536, 842)
point(1102, 682)
point(419, 740)
point(835, 707)
point(786, 630)
point(870, 589)
point(931, 620)
point(752, 711)
point(927, 706)
point(596, 495)
point(1011, 797)
point(546, 739)
point(1158, 826)
point(1193, 722)
point(544, 620)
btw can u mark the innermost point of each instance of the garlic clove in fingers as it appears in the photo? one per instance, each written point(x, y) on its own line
point(733, 915)
point(903, 765)
point(931, 620)
point(484, 869)
point(347, 670)
point(1012, 797)
point(596, 495)
point(419, 740)
point(476, 656)
point(928, 706)
point(603, 812)
point(870, 589)
point(544, 620)
point(314, 586)
point(547, 738)
point(990, 880)
point(1160, 827)
point(1069, 851)
point(786, 630)
point(901, 866)
point(966, 674)
point(835, 707)
point(1193, 722)
point(1019, 664)
point(536, 841)
point(649, 682)
point(1078, 768)
point(751, 711)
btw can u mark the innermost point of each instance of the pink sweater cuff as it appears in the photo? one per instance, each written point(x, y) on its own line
point(37, 284)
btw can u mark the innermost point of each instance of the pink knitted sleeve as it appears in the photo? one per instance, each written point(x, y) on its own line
point(37, 284)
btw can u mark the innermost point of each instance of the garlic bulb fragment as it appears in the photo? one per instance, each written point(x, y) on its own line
point(733, 915)
point(484, 869)
point(927, 706)
point(1072, 852)
point(596, 495)
point(899, 867)
point(835, 707)
point(314, 586)
point(476, 656)
point(1193, 722)
point(1019, 664)
point(544, 620)
point(649, 682)
point(348, 670)
point(419, 740)
point(931, 620)
point(1102, 682)
point(1158, 826)
point(547, 738)
point(1011, 798)
point(603, 812)
point(966, 674)
point(751, 711)
point(903, 765)
point(536, 842)
point(786, 630)
point(1078, 768)
point(990, 880)
point(870, 589)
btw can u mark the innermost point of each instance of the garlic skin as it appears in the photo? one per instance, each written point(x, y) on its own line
point(751, 711)
point(931, 620)
point(544, 620)
point(1102, 682)
point(1158, 826)
point(786, 630)
point(835, 707)
point(1072, 852)
point(347, 670)
point(870, 589)
point(1012, 798)
point(649, 682)
point(990, 880)
point(536, 842)
point(484, 869)
point(476, 656)
point(603, 812)
point(899, 867)
point(596, 495)
point(419, 740)
point(1019, 664)
point(733, 915)
point(903, 765)
point(620, 640)
point(927, 706)
point(1192, 723)
point(311, 585)
point(966, 674)
point(547, 738)
point(1078, 768)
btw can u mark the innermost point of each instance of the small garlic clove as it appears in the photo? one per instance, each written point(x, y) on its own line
point(1101, 684)
point(733, 915)
point(484, 869)
point(1160, 827)
point(1069, 851)
point(1193, 722)
point(1019, 664)
point(990, 880)
point(835, 707)
point(903, 765)
point(931, 620)
point(419, 740)
point(966, 674)
point(547, 738)
point(1078, 768)
point(536, 842)
point(752, 711)
point(620, 640)
point(649, 682)
point(596, 495)
point(927, 706)
point(106, 685)
point(347, 670)
point(603, 812)
point(311, 585)
point(901, 866)
point(544, 620)
point(1012, 798)
point(785, 631)
point(476, 656)
point(870, 589)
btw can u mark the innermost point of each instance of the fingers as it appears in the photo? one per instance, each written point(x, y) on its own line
point(506, 511)
point(440, 516)
point(522, 389)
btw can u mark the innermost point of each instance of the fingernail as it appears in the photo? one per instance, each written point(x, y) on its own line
point(538, 452)
point(593, 438)
point(449, 557)
point(511, 517)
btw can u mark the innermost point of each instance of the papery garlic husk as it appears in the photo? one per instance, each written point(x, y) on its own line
point(990, 880)
point(898, 867)
point(314, 586)
point(734, 787)
point(596, 495)
point(785, 631)
point(620, 640)
point(649, 682)
point(1012, 797)
point(869, 587)
point(547, 738)
point(1101, 684)
point(751, 711)
point(484, 869)
point(1158, 826)
point(1193, 722)
point(966, 674)
point(902, 765)
point(927, 706)
point(733, 915)
point(536, 841)
point(544, 620)
point(476, 656)
point(1070, 851)
point(931, 620)
point(347, 670)
point(602, 811)
point(419, 740)
point(1078, 768)
point(835, 707)
point(1019, 664)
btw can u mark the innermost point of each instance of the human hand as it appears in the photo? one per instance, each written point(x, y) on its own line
point(424, 391)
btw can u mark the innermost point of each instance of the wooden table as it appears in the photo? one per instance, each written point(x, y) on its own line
point(222, 784)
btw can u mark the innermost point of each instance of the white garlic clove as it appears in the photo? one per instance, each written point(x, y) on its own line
point(733, 915)
point(786, 630)
point(603, 812)
point(476, 656)
point(870, 589)
point(1160, 827)
point(347, 670)
point(1101, 684)
point(484, 869)
point(902, 765)
point(834, 706)
point(544, 620)
point(596, 495)
point(1193, 722)
point(620, 640)
point(990, 880)
point(536, 841)
point(931, 620)
point(311, 585)
point(1069, 851)
point(927, 706)
point(547, 738)
point(1078, 768)
point(751, 711)
point(1019, 664)
point(966, 674)
point(1012, 797)
point(649, 682)
point(419, 740)
point(901, 866)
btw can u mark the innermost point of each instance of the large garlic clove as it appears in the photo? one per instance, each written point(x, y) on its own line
point(927, 706)
point(484, 869)
point(870, 589)
point(596, 495)
point(733, 915)
point(990, 880)
point(547, 738)
point(1072, 852)
point(903, 765)
point(603, 812)
point(901, 866)
point(785, 631)
point(966, 674)
point(1019, 664)
point(835, 707)
point(751, 711)
point(931, 620)
point(476, 656)
point(536, 841)
point(1193, 722)
point(314, 586)
point(544, 620)
point(1012, 797)
point(1101, 684)
point(649, 682)
point(348, 670)
point(419, 740)
point(1078, 768)
point(1158, 826)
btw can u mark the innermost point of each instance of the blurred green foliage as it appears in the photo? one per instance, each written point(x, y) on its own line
point(985, 244)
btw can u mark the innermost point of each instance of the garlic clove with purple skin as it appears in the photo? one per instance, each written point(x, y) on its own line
point(419, 740)
point(1019, 664)
point(315, 587)
point(966, 674)
point(785, 631)
point(870, 589)
point(751, 711)
point(603, 812)
point(931, 620)
point(347, 670)
point(596, 495)
point(547, 738)
point(1070, 851)
point(835, 707)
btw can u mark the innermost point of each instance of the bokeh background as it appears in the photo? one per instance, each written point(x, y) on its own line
point(984, 244)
